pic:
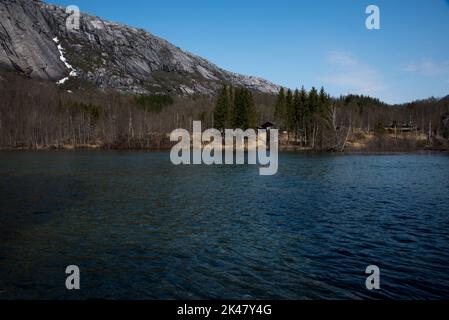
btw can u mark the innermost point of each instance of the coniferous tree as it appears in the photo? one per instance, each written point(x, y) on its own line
point(296, 112)
point(289, 113)
point(251, 113)
point(289, 108)
point(312, 109)
point(324, 107)
point(244, 110)
point(303, 101)
point(313, 103)
point(325, 118)
point(279, 112)
point(238, 109)
point(222, 109)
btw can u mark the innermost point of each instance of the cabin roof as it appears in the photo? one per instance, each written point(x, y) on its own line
point(267, 125)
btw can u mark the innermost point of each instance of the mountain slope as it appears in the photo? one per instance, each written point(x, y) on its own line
point(107, 54)
point(446, 98)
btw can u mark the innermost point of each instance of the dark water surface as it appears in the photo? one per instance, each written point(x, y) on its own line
point(139, 227)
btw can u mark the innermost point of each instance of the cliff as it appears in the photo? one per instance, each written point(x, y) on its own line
point(34, 40)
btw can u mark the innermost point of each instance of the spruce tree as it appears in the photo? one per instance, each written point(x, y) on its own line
point(244, 110)
point(304, 100)
point(289, 112)
point(324, 107)
point(279, 112)
point(313, 103)
point(312, 110)
point(222, 109)
point(303, 111)
point(237, 110)
point(296, 111)
point(251, 113)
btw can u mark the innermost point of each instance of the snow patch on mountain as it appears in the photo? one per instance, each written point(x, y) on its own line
point(64, 60)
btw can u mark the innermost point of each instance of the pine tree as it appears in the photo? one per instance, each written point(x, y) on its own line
point(313, 103)
point(296, 112)
point(222, 109)
point(303, 115)
point(279, 112)
point(324, 107)
point(244, 110)
point(313, 106)
point(238, 109)
point(304, 100)
point(289, 111)
point(251, 113)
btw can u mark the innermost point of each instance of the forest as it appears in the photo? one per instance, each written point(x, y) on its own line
point(315, 121)
point(36, 114)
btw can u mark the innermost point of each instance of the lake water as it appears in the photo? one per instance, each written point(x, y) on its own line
point(140, 228)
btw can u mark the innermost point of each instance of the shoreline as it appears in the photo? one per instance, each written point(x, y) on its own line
point(282, 149)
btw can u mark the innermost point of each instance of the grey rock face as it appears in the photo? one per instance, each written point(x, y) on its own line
point(107, 54)
point(25, 41)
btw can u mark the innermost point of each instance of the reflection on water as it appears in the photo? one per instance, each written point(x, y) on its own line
point(139, 227)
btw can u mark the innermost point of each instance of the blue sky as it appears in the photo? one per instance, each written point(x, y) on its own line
point(310, 43)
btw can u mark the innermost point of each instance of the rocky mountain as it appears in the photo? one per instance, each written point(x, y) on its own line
point(34, 40)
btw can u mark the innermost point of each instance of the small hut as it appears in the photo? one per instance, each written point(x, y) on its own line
point(267, 126)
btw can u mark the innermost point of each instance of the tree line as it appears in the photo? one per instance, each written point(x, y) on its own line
point(304, 115)
point(311, 119)
point(37, 114)
point(235, 108)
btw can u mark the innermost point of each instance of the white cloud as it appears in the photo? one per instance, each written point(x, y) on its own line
point(342, 58)
point(428, 67)
point(353, 76)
